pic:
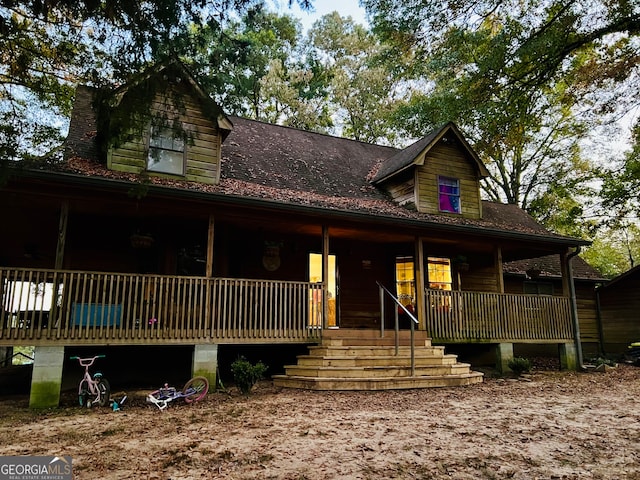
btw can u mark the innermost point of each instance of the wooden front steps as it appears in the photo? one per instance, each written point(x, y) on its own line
point(349, 359)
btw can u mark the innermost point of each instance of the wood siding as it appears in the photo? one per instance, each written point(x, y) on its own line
point(620, 313)
point(448, 160)
point(587, 313)
point(402, 190)
point(482, 277)
point(203, 143)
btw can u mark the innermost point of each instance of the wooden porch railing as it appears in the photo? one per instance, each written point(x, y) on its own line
point(70, 307)
point(474, 317)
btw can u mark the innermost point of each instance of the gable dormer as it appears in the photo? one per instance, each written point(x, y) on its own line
point(439, 174)
point(163, 124)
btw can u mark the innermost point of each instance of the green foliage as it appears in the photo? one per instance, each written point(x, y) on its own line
point(527, 138)
point(546, 36)
point(615, 249)
point(597, 361)
point(562, 206)
point(362, 90)
point(621, 185)
point(519, 365)
point(37, 65)
point(232, 59)
point(246, 375)
point(23, 355)
point(525, 82)
point(49, 47)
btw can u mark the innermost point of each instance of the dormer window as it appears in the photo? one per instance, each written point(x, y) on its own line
point(449, 194)
point(167, 152)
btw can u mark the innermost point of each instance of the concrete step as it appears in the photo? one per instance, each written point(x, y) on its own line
point(375, 371)
point(353, 359)
point(359, 334)
point(380, 383)
point(386, 341)
point(420, 359)
point(371, 350)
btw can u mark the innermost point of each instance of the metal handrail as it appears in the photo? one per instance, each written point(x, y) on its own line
point(413, 323)
point(9, 361)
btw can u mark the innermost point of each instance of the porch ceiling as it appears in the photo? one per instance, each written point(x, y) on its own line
point(276, 218)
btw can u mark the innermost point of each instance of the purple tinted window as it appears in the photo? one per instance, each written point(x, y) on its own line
point(449, 193)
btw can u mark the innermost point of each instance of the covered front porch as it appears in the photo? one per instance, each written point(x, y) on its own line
point(103, 268)
point(54, 309)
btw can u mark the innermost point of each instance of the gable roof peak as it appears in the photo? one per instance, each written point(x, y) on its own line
point(414, 153)
point(174, 71)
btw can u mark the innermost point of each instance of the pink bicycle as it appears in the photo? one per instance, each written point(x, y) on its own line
point(92, 390)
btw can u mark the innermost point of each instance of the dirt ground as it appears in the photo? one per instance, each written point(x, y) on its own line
point(551, 425)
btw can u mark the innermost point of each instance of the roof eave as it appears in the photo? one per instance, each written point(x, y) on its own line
point(389, 220)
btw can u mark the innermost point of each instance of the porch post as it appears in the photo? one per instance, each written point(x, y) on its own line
point(504, 353)
point(46, 378)
point(62, 237)
point(568, 356)
point(210, 237)
point(205, 363)
point(62, 234)
point(569, 290)
point(6, 355)
point(499, 269)
point(325, 276)
point(420, 292)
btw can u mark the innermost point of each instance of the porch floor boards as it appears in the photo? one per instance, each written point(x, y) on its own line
point(350, 359)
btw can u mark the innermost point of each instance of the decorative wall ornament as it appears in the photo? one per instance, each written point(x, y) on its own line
point(271, 256)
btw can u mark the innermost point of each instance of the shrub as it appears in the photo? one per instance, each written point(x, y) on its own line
point(597, 361)
point(519, 365)
point(245, 375)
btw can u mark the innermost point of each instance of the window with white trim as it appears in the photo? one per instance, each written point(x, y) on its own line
point(167, 151)
point(449, 194)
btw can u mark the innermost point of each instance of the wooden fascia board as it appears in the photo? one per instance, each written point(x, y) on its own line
point(225, 125)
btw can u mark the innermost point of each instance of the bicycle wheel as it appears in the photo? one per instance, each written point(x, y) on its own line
point(104, 392)
point(83, 393)
point(195, 389)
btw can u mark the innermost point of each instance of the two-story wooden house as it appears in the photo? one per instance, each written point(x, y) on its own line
point(170, 223)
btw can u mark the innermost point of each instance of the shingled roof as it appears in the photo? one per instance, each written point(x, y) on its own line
point(288, 158)
point(549, 267)
point(293, 167)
